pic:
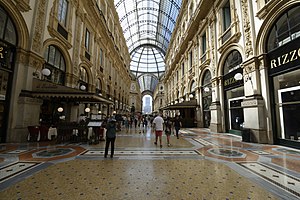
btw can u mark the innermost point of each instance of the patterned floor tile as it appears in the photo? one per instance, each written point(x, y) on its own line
point(291, 184)
point(14, 169)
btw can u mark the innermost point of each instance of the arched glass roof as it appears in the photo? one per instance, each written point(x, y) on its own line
point(147, 27)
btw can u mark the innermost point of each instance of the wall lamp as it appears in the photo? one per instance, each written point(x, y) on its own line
point(239, 76)
point(60, 109)
point(87, 110)
point(44, 72)
point(191, 96)
point(82, 87)
point(206, 89)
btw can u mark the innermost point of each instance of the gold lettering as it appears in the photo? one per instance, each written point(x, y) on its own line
point(285, 60)
point(293, 53)
point(1, 55)
point(279, 61)
point(273, 64)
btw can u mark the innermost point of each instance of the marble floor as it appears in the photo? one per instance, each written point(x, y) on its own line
point(198, 165)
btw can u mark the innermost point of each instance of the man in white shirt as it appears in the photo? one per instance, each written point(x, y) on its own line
point(158, 126)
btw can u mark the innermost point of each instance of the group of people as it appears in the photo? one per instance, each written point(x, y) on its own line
point(159, 125)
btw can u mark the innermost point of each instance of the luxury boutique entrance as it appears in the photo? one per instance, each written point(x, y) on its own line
point(283, 47)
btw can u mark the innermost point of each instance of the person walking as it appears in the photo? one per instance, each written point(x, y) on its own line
point(110, 136)
point(158, 127)
point(168, 129)
point(177, 125)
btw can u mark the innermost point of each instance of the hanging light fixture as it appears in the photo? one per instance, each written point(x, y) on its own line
point(82, 87)
point(87, 110)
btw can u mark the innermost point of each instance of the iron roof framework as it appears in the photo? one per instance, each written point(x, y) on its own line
point(147, 27)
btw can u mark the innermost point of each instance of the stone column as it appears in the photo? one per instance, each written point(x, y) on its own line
point(253, 104)
point(215, 108)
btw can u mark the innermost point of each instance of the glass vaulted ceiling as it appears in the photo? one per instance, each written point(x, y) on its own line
point(147, 27)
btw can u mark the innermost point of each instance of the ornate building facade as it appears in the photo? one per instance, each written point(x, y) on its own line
point(62, 54)
point(239, 61)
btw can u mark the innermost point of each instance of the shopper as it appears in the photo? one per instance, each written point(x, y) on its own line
point(110, 136)
point(158, 126)
point(177, 125)
point(168, 129)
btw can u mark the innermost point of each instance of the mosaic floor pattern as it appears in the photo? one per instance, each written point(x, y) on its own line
point(198, 165)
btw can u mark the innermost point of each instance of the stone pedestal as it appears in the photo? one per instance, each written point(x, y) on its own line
point(255, 119)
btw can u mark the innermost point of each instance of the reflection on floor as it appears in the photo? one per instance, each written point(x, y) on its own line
point(199, 165)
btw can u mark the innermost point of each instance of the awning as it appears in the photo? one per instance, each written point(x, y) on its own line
point(186, 104)
point(45, 89)
point(82, 97)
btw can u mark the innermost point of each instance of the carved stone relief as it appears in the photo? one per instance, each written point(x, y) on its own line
point(247, 29)
point(77, 44)
point(212, 45)
point(39, 26)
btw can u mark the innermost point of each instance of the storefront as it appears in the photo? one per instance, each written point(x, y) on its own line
point(8, 42)
point(233, 93)
point(283, 50)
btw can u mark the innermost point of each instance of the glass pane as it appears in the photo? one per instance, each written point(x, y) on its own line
point(51, 55)
point(2, 22)
point(10, 33)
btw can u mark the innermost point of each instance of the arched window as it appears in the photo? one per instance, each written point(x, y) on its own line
point(83, 79)
point(193, 87)
point(206, 78)
point(55, 62)
point(285, 29)
point(232, 62)
point(7, 28)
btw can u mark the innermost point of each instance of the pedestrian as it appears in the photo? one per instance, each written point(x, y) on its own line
point(110, 137)
point(177, 125)
point(126, 123)
point(158, 127)
point(168, 129)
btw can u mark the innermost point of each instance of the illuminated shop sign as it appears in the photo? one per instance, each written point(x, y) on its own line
point(285, 58)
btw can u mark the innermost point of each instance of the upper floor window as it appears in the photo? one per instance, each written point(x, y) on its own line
point(190, 59)
point(101, 57)
point(87, 40)
point(7, 28)
point(226, 16)
point(62, 12)
point(55, 62)
point(203, 44)
point(182, 69)
point(285, 29)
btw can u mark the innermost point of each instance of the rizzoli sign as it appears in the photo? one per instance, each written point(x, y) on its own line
point(285, 58)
